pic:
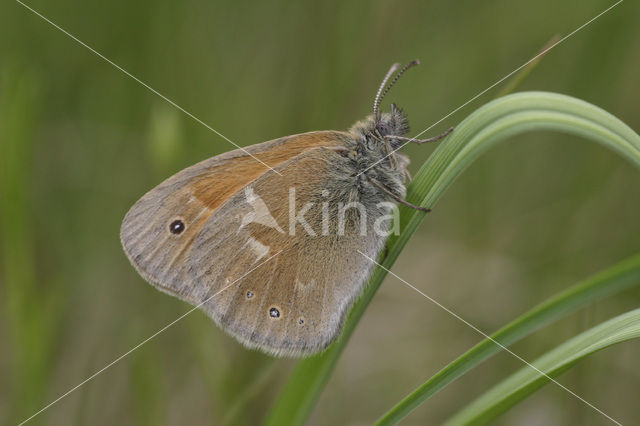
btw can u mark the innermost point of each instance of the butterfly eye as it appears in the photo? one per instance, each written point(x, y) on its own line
point(274, 313)
point(383, 128)
point(176, 227)
point(249, 294)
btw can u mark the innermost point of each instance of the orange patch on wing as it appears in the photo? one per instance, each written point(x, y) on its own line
point(218, 184)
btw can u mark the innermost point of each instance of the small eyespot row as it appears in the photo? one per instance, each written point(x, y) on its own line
point(176, 227)
point(274, 313)
point(249, 294)
point(300, 321)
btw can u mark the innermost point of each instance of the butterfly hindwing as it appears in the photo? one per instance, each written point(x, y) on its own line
point(300, 284)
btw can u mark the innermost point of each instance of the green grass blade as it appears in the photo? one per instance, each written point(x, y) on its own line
point(612, 280)
point(490, 124)
point(527, 380)
point(522, 75)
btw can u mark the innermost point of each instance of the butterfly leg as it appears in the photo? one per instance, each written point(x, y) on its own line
point(392, 158)
point(408, 175)
point(395, 197)
point(421, 141)
point(404, 161)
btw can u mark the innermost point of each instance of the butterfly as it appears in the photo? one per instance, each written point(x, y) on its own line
point(272, 250)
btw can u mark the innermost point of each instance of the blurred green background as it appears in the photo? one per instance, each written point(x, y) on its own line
point(80, 142)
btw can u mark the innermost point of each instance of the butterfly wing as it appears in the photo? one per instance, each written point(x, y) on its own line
point(286, 291)
point(265, 279)
point(192, 196)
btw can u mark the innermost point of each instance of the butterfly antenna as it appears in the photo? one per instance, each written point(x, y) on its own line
point(381, 93)
point(378, 99)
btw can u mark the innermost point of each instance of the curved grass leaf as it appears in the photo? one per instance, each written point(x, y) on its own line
point(527, 380)
point(612, 280)
point(490, 124)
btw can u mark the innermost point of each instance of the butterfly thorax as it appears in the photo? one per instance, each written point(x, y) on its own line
point(376, 153)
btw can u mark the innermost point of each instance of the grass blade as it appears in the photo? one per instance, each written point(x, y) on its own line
point(612, 280)
point(522, 75)
point(490, 124)
point(525, 381)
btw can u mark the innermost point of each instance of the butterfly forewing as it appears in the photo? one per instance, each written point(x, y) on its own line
point(191, 196)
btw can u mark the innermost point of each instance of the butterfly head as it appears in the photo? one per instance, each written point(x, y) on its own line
point(375, 128)
point(394, 123)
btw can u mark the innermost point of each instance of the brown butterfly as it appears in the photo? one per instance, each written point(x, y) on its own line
point(271, 253)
